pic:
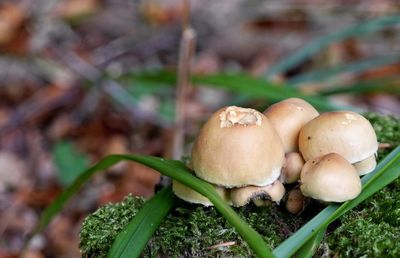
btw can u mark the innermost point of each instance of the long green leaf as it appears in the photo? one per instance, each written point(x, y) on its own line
point(309, 248)
point(313, 47)
point(386, 171)
point(388, 85)
point(243, 84)
point(168, 168)
point(355, 67)
point(131, 241)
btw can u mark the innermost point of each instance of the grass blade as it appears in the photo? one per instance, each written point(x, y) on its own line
point(131, 241)
point(389, 85)
point(308, 249)
point(355, 67)
point(313, 47)
point(175, 170)
point(386, 171)
point(243, 84)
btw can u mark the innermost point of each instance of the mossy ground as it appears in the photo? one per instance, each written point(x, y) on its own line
point(370, 230)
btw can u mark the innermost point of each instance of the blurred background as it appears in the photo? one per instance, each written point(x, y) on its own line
point(81, 79)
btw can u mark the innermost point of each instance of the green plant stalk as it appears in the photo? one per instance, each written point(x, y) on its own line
point(355, 67)
point(167, 168)
point(310, 247)
point(313, 47)
point(243, 84)
point(131, 241)
point(388, 85)
point(385, 172)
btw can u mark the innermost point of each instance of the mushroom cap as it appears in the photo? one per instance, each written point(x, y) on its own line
point(242, 196)
point(288, 117)
point(365, 166)
point(188, 194)
point(343, 132)
point(237, 147)
point(292, 168)
point(295, 202)
point(330, 178)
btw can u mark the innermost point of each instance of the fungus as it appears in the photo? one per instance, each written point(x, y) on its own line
point(238, 147)
point(343, 132)
point(242, 196)
point(188, 194)
point(330, 178)
point(292, 168)
point(288, 117)
point(295, 202)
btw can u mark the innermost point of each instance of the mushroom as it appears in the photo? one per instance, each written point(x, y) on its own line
point(330, 178)
point(296, 201)
point(188, 194)
point(238, 147)
point(343, 132)
point(366, 166)
point(288, 117)
point(242, 196)
point(292, 168)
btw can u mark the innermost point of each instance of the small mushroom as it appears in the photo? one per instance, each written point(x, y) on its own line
point(242, 196)
point(292, 168)
point(238, 147)
point(343, 132)
point(296, 201)
point(188, 194)
point(288, 117)
point(365, 166)
point(330, 178)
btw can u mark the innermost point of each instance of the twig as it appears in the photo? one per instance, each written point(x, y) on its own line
point(384, 145)
point(222, 245)
point(186, 50)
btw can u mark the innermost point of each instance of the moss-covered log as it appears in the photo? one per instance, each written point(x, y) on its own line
point(372, 229)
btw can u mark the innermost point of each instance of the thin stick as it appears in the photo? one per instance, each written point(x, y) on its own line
point(222, 245)
point(186, 50)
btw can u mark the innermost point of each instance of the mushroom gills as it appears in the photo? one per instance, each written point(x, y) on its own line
point(244, 195)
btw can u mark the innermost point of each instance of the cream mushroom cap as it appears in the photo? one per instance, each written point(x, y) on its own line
point(242, 196)
point(365, 166)
point(188, 194)
point(343, 132)
point(330, 178)
point(237, 147)
point(292, 168)
point(288, 117)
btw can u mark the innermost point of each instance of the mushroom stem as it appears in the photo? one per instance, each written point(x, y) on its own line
point(242, 196)
point(365, 166)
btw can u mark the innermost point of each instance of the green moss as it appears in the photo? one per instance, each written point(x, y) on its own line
point(387, 129)
point(191, 230)
point(362, 237)
point(100, 228)
point(371, 229)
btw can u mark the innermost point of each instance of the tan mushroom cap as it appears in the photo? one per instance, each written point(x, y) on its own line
point(365, 166)
point(330, 178)
point(343, 132)
point(242, 196)
point(237, 147)
point(288, 117)
point(188, 194)
point(292, 168)
point(295, 202)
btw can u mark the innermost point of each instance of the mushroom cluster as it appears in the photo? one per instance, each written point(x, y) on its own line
point(249, 156)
